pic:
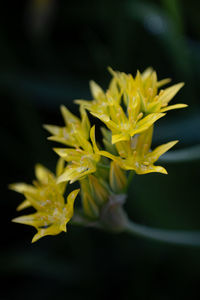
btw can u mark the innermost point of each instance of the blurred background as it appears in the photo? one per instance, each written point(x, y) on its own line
point(49, 51)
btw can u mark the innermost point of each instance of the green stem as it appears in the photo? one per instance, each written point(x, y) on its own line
point(176, 237)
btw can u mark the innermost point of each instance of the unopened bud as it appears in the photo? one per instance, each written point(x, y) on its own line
point(118, 179)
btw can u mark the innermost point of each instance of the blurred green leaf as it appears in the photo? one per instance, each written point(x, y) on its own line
point(187, 155)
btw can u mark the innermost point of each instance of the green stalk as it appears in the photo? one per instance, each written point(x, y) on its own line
point(176, 237)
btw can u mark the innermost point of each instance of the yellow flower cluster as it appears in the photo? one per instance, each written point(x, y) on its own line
point(129, 108)
point(46, 197)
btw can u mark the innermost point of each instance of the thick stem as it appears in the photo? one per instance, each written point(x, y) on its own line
point(176, 237)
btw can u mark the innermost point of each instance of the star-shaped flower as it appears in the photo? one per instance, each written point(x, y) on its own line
point(82, 161)
point(46, 197)
point(136, 154)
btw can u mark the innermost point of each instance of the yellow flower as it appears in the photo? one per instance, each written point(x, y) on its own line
point(46, 196)
point(146, 86)
point(143, 104)
point(81, 161)
point(136, 154)
point(74, 127)
point(100, 105)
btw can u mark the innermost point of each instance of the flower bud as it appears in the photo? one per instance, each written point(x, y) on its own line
point(90, 208)
point(118, 179)
point(98, 190)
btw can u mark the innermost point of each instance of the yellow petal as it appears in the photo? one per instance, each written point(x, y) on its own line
point(146, 122)
point(55, 130)
point(92, 137)
point(120, 137)
point(70, 204)
point(143, 142)
point(175, 106)
point(69, 154)
point(109, 155)
point(169, 93)
point(68, 117)
point(52, 230)
point(42, 174)
point(60, 166)
point(163, 82)
point(85, 145)
point(150, 169)
point(21, 187)
point(103, 117)
point(160, 150)
point(32, 220)
point(96, 90)
point(85, 123)
point(76, 173)
point(23, 205)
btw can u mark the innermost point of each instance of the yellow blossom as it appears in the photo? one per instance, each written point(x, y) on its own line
point(146, 86)
point(144, 105)
point(100, 105)
point(82, 161)
point(46, 197)
point(136, 154)
point(74, 127)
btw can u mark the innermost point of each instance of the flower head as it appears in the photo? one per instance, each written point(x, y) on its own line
point(136, 154)
point(46, 197)
point(144, 105)
point(73, 129)
point(82, 161)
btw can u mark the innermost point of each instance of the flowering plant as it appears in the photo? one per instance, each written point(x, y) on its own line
point(128, 109)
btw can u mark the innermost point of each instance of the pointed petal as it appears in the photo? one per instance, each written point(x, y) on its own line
point(23, 205)
point(163, 82)
point(22, 187)
point(169, 93)
point(69, 154)
point(55, 130)
point(85, 123)
point(68, 116)
point(70, 204)
point(147, 72)
point(109, 155)
point(32, 220)
point(120, 137)
point(160, 150)
point(51, 230)
point(146, 122)
point(60, 166)
point(42, 174)
point(92, 137)
point(151, 169)
point(143, 142)
point(175, 106)
point(96, 90)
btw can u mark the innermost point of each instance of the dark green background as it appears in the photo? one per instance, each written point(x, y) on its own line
point(47, 59)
